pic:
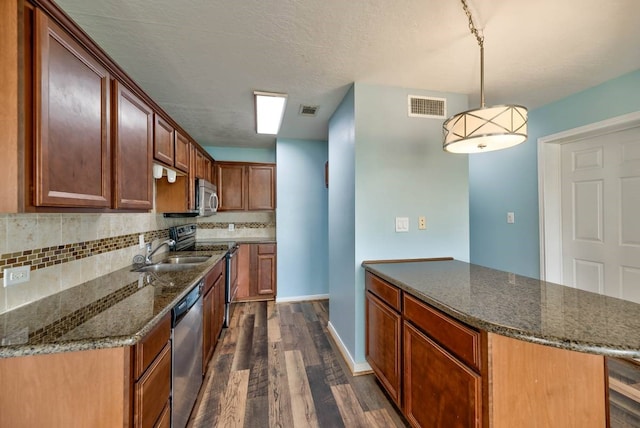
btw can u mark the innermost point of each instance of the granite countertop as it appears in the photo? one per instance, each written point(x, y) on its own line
point(520, 307)
point(113, 310)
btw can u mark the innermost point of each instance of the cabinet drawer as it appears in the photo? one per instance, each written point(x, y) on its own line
point(266, 248)
point(153, 390)
point(385, 291)
point(460, 340)
point(213, 276)
point(151, 345)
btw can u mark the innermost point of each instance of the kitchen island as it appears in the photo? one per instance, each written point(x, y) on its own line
point(509, 350)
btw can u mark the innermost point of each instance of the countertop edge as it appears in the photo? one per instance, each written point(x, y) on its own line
point(18, 350)
point(528, 336)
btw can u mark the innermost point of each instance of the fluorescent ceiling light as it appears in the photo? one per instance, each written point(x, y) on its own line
point(269, 111)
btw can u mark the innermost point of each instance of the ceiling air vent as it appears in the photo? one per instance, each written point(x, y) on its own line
point(308, 110)
point(434, 108)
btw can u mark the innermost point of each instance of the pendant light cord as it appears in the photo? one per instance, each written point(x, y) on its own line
point(480, 38)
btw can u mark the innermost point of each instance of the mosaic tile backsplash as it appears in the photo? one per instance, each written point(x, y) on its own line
point(65, 250)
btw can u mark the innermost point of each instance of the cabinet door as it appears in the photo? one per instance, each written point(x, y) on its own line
point(193, 172)
point(208, 302)
point(133, 148)
point(439, 391)
point(382, 345)
point(206, 168)
point(163, 136)
point(182, 148)
point(266, 269)
point(72, 153)
point(200, 164)
point(261, 187)
point(242, 275)
point(231, 185)
point(152, 391)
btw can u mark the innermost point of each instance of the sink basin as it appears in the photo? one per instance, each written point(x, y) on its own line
point(179, 260)
point(166, 267)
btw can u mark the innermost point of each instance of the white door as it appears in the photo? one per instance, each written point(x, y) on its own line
point(600, 185)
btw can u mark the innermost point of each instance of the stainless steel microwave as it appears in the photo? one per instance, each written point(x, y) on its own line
point(206, 198)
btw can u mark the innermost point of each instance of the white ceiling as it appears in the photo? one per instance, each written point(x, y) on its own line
point(202, 59)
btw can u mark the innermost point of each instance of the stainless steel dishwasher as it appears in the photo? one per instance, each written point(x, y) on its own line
point(186, 361)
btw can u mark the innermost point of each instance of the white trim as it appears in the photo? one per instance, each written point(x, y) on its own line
point(549, 195)
point(357, 369)
point(302, 298)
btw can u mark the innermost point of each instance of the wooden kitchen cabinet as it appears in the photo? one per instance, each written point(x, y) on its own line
point(382, 332)
point(111, 387)
point(246, 186)
point(132, 148)
point(213, 311)
point(439, 390)
point(163, 140)
point(72, 121)
point(256, 272)
point(182, 151)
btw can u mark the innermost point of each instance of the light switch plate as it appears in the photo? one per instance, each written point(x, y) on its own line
point(402, 224)
point(511, 217)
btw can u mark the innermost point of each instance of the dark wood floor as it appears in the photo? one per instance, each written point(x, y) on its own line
point(276, 366)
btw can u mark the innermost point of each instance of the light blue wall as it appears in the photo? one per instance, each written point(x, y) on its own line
point(241, 154)
point(508, 180)
point(342, 220)
point(400, 170)
point(301, 216)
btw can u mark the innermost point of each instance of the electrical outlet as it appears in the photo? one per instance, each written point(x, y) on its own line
point(16, 275)
point(422, 222)
point(141, 241)
point(232, 227)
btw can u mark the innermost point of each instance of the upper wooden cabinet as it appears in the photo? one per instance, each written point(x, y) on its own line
point(132, 147)
point(72, 147)
point(246, 186)
point(163, 136)
point(182, 149)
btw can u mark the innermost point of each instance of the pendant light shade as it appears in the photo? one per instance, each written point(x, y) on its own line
point(485, 129)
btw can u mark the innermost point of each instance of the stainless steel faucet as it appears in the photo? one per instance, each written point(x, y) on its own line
point(169, 242)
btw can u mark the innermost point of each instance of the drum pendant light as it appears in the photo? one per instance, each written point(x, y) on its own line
point(487, 128)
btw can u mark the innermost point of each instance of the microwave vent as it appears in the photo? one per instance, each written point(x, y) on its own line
point(427, 107)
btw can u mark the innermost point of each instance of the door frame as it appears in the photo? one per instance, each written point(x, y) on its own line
point(549, 189)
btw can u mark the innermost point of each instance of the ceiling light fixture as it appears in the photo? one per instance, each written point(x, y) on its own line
point(269, 111)
point(487, 128)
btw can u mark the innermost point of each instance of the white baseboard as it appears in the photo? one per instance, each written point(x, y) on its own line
point(357, 369)
point(302, 298)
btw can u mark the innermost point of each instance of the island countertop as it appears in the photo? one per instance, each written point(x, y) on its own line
point(520, 307)
point(113, 310)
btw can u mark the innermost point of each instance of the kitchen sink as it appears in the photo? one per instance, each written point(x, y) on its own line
point(166, 267)
point(179, 260)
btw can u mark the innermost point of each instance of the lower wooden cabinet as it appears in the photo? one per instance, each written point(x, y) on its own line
point(111, 387)
point(383, 329)
point(439, 391)
point(256, 272)
point(213, 311)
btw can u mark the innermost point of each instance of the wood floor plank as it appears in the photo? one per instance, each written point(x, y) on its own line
point(258, 390)
point(379, 418)
point(302, 407)
point(326, 406)
point(233, 403)
point(331, 361)
point(273, 322)
point(303, 340)
point(349, 407)
point(245, 343)
point(206, 413)
point(285, 315)
point(308, 311)
point(280, 414)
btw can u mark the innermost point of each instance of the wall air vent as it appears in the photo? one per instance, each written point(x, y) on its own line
point(308, 110)
point(429, 107)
